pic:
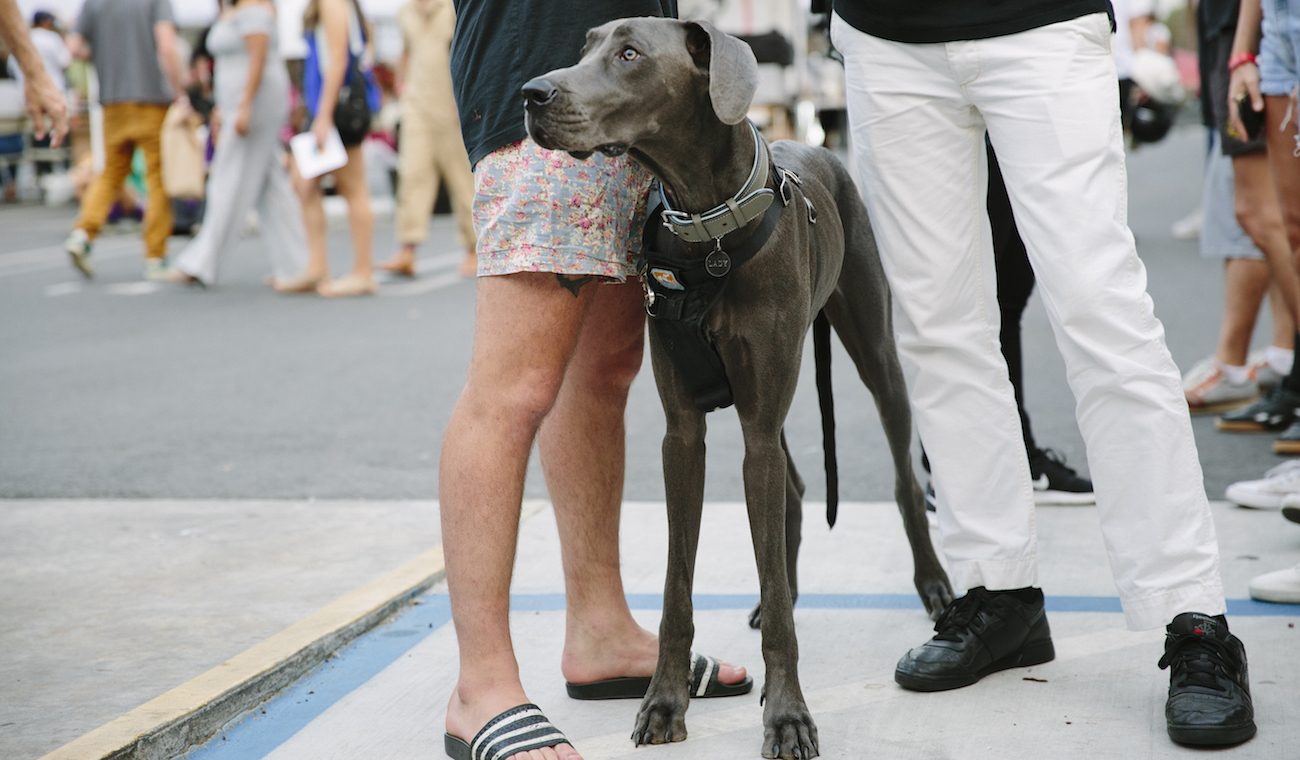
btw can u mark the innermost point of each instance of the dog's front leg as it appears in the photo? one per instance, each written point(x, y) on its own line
point(662, 716)
point(788, 728)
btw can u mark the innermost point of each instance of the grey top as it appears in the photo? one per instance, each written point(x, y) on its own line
point(120, 33)
point(230, 66)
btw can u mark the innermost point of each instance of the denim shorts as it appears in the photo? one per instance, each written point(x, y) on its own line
point(1277, 49)
point(537, 210)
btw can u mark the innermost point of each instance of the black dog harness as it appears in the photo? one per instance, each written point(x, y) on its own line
point(680, 292)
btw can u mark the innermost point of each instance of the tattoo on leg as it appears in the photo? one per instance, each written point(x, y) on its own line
point(574, 283)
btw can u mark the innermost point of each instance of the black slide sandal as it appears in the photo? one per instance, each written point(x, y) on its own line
point(704, 684)
point(516, 730)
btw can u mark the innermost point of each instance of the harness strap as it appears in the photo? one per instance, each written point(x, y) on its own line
point(679, 295)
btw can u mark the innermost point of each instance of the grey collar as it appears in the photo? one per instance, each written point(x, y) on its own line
point(732, 214)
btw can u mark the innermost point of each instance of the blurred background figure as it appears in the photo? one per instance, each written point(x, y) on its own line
point(430, 145)
point(338, 51)
point(133, 46)
point(43, 98)
point(1241, 224)
point(251, 88)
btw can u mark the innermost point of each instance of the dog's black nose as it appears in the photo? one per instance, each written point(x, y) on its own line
point(539, 91)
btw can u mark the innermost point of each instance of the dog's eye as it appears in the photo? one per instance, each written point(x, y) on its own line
point(629, 54)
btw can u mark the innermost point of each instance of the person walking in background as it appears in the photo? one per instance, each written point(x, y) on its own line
point(430, 147)
point(336, 47)
point(1243, 225)
point(251, 87)
point(53, 50)
point(43, 97)
point(133, 46)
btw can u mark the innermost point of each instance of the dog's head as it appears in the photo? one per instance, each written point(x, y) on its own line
point(640, 78)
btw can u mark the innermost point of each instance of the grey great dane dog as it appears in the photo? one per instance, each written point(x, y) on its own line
point(674, 95)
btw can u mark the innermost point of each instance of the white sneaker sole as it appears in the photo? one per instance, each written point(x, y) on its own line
point(1252, 499)
point(1281, 587)
point(1051, 498)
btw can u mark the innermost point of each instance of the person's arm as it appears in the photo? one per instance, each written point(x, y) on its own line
point(399, 79)
point(334, 22)
point(164, 37)
point(41, 94)
point(1244, 81)
point(257, 44)
point(78, 46)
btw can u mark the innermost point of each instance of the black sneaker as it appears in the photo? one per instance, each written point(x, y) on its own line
point(1055, 483)
point(1272, 413)
point(981, 633)
point(1209, 690)
point(1289, 442)
point(931, 501)
point(1291, 513)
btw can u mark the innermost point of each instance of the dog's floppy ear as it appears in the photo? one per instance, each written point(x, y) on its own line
point(733, 70)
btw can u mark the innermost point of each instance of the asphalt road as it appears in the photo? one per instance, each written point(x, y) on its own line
point(120, 388)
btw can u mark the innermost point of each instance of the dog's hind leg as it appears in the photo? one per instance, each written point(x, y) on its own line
point(794, 490)
point(859, 310)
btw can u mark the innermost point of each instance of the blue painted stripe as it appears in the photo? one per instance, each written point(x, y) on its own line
point(257, 734)
point(555, 602)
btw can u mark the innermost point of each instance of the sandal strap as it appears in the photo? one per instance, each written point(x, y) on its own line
point(704, 670)
point(516, 730)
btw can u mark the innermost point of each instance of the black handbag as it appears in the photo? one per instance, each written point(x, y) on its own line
point(352, 112)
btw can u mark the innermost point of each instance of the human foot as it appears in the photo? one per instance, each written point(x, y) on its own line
point(402, 263)
point(348, 285)
point(540, 739)
point(589, 659)
point(705, 683)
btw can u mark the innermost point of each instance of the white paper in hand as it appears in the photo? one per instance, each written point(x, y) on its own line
point(312, 162)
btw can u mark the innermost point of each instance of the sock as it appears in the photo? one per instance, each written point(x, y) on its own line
point(1235, 375)
point(1280, 359)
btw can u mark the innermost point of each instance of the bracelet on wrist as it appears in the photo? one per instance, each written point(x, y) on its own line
point(1236, 60)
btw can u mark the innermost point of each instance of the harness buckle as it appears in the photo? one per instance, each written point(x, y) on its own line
point(787, 190)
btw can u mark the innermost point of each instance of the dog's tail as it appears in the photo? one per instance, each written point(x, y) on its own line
point(822, 361)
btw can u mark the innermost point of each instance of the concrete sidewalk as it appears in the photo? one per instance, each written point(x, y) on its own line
point(108, 603)
point(384, 695)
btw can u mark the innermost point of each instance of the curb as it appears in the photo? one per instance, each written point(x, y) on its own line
point(169, 725)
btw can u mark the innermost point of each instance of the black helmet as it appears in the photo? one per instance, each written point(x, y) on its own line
point(1151, 120)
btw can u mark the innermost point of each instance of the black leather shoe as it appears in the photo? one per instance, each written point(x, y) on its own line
point(1209, 690)
point(980, 633)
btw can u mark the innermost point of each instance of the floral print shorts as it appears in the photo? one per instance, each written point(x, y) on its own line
point(538, 210)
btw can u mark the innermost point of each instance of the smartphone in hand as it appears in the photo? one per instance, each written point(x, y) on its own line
point(1251, 119)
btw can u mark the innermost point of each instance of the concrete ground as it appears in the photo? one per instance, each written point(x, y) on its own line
point(158, 447)
point(1102, 696)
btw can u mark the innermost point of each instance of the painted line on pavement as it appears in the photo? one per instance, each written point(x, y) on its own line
point(260, 732)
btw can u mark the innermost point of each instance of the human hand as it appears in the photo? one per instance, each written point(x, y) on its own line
point(321, 128)
point(242, 120)
point(1243, 84)
point(44, 100)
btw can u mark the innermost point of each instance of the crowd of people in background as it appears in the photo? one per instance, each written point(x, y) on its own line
point(194, 136)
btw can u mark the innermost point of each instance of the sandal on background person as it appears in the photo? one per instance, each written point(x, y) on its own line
point(348, 286)
point(300, 284)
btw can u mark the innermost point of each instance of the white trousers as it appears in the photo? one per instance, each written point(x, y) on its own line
point(1048, 99)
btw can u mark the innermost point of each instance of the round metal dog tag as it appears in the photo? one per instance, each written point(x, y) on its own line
point(718, 263)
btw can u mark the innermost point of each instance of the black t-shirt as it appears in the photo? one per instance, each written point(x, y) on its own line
point(952, 20)
point(501, 44)
point(1216, 17)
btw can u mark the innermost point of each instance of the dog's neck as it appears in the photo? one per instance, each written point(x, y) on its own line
point(703, 169)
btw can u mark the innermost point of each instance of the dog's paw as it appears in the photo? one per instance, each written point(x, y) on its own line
point(791, 737)
point(936, 594)
point(659, 721)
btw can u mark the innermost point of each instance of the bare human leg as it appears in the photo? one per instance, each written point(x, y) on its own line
point(1245, 281)
point(526, 331)
point(582, 451)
